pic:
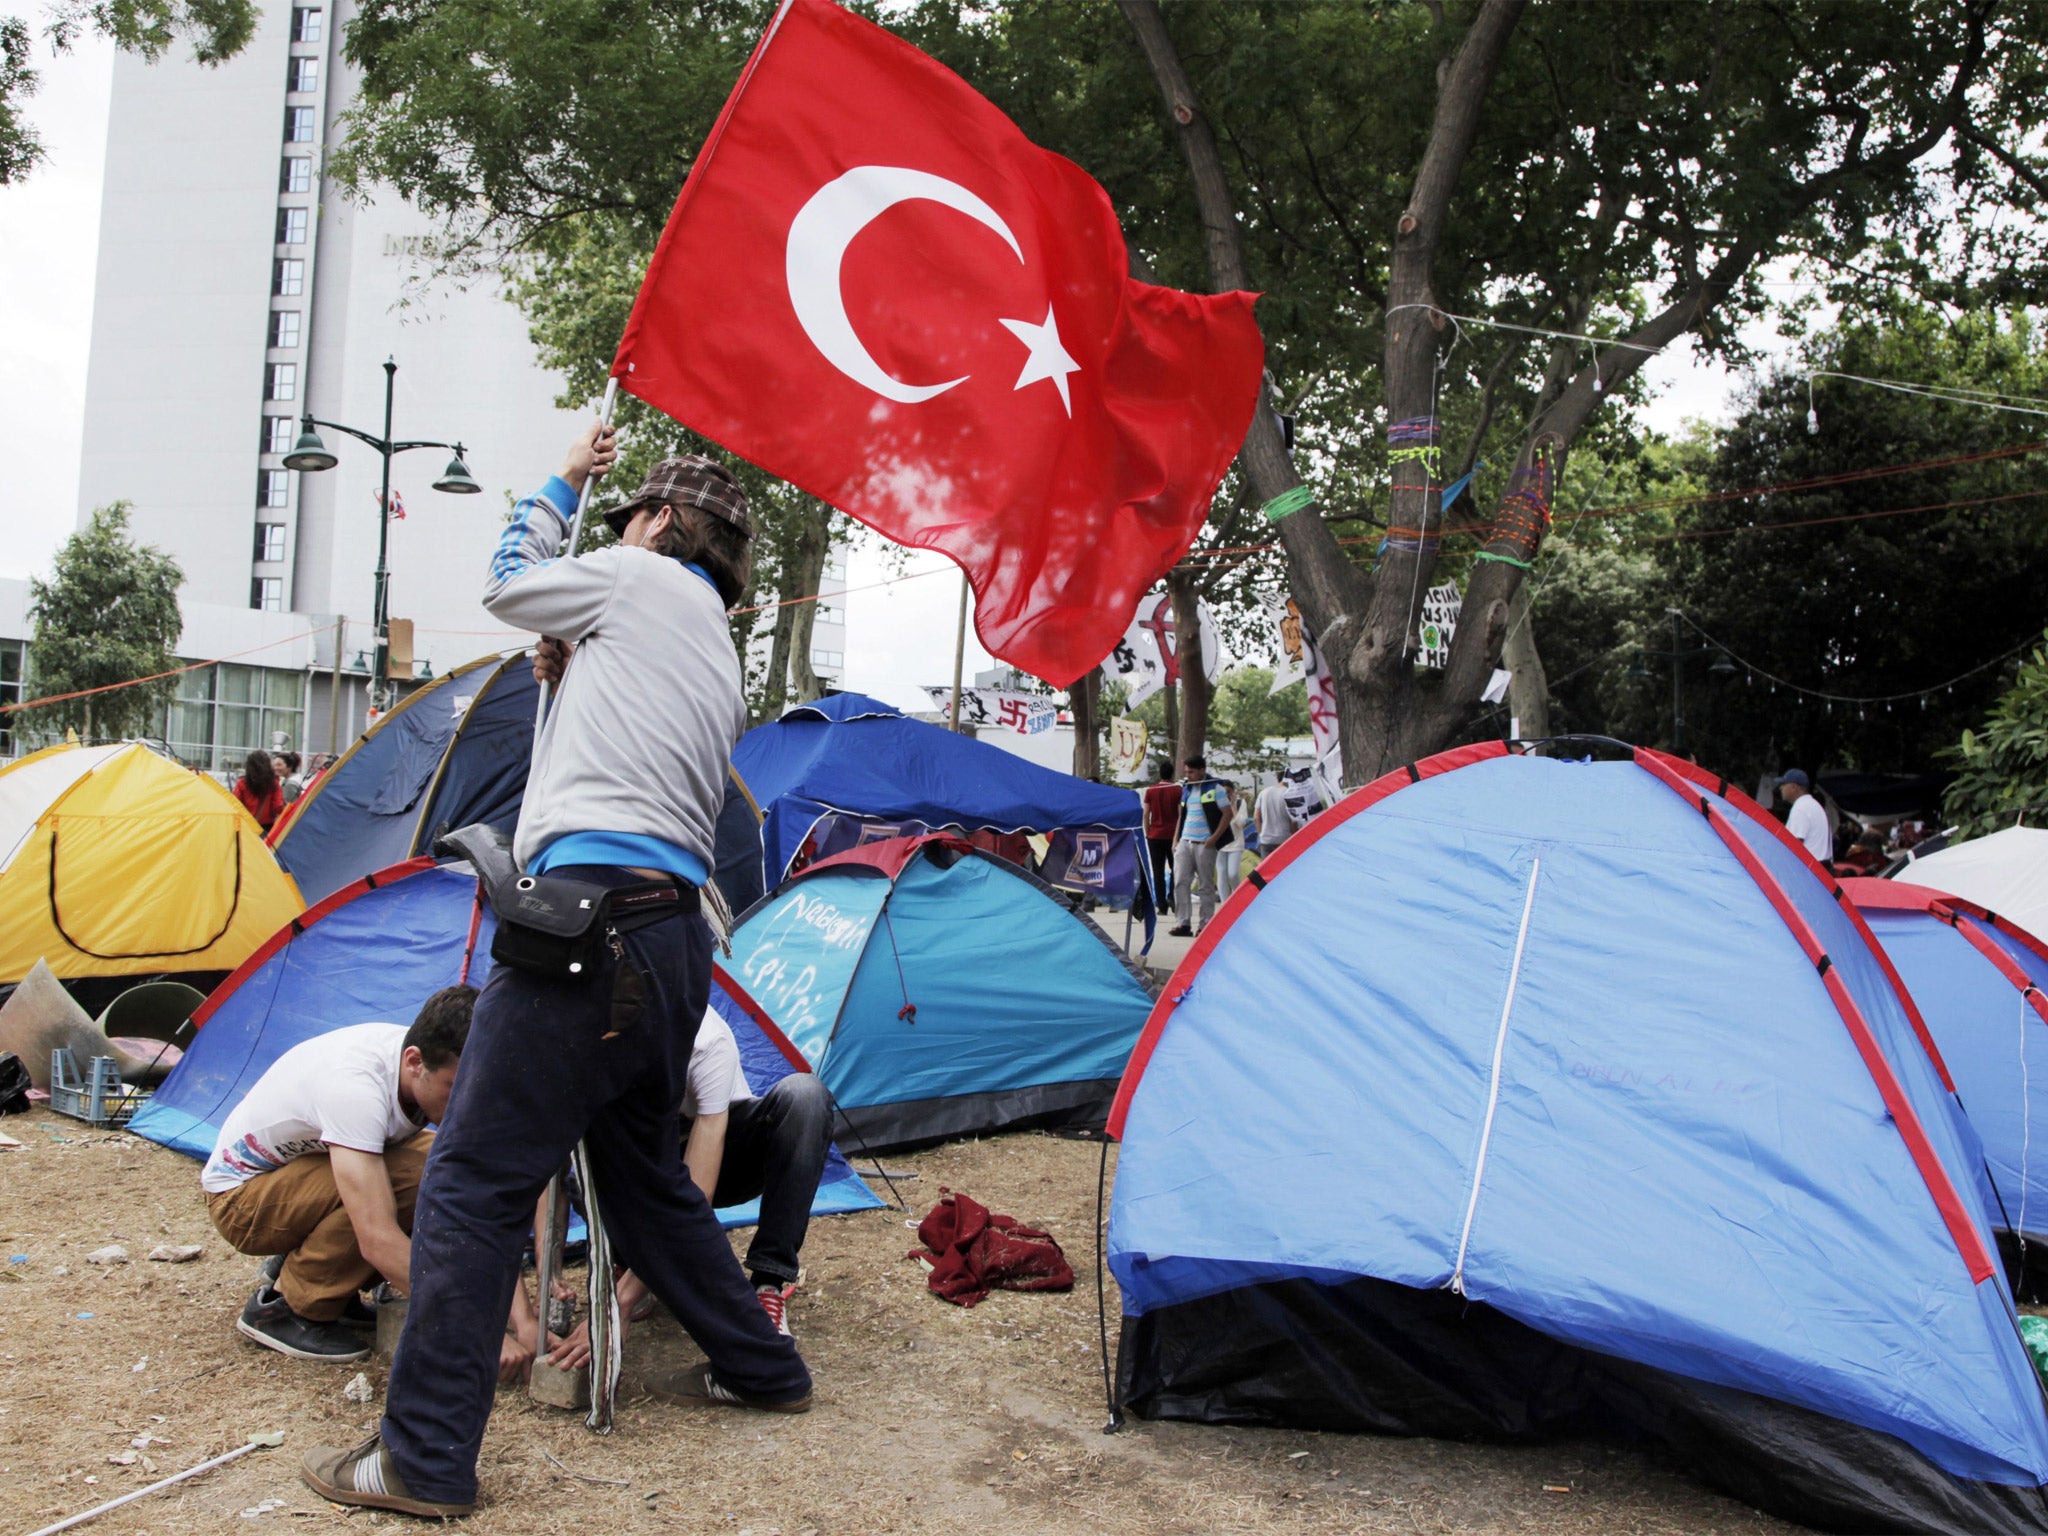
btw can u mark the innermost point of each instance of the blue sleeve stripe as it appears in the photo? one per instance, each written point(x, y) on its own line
point(512, 556)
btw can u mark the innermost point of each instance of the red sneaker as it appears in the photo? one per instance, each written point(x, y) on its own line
point(774, 1301)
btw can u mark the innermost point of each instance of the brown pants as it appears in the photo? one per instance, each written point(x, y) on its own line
point(296, 1210)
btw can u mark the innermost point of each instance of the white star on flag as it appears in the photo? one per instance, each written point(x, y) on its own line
point(1048, 359)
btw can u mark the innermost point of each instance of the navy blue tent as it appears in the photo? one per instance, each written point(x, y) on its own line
point(1981, 982)
point(455, 752)
point(850, 769)
point(374, 951)
point(941, 991)
point(1520, 1098)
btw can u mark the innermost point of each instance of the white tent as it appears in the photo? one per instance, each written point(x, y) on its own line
point(2006, 871)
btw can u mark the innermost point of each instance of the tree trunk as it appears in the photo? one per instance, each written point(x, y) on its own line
point(1529, 686)
point(1170, 741)
point(814, 542)
point(1086, 698)
point(1365, 627)
point(1194, 676)
point(775, 687)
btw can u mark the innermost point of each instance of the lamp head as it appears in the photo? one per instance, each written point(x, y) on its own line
point(456, 479)
point(309, 454)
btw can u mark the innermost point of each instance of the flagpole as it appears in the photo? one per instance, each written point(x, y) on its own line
point(604, 419)
point(960, 648)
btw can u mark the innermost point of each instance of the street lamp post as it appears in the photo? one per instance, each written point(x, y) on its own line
point(310, 455)
point(1678, 653)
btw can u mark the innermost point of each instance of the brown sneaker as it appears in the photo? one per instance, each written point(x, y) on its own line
point(699, 1387)
point(366, 1477)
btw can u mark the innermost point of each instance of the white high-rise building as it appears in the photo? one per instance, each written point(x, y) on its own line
point(238, 290)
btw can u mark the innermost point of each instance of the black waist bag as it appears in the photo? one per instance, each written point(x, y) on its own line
point(555, 928)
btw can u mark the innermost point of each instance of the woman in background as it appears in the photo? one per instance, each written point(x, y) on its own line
point(258, 789)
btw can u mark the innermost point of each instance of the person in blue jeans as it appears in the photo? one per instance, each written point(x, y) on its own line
point(627, 780)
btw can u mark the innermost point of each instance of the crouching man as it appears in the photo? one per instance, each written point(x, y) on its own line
point(320, 1164)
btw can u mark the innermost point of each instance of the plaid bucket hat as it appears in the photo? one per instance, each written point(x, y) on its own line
point(691, 481)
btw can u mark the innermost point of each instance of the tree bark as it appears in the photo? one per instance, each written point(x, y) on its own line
point(1528, 684)
point(807, 570)
point(1085, 698)
point(1194, 676)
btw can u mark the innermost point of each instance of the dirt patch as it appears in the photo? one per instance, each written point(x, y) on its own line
point(929, 1418)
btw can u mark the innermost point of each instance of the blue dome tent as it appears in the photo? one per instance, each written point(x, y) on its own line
point(1982, 983)
point(850, 769)
point(1519, 1098)
point(375, 950)
point(453, 753)
point(941, 991)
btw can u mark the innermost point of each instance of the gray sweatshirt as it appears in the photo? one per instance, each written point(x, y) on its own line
point(641, 731)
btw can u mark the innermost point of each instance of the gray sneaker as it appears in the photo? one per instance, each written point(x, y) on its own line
point(354, 1315)
point(268, 1319)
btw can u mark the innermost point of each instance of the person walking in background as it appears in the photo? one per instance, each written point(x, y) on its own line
point(1805, 818)
point(1273, 819)
point(1203, 836)
point(1162, 811)
point(1230, 858)
point(258, 789)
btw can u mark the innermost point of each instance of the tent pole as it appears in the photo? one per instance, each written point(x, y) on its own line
point(959, 650)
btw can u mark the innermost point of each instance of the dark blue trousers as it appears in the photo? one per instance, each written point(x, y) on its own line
point(547, 1063)
point(775, 1148)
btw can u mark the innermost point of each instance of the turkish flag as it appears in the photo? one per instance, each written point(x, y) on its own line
point(876, 288)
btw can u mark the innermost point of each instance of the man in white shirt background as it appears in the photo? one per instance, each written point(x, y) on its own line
point(320, 1165)
point(1805, 817)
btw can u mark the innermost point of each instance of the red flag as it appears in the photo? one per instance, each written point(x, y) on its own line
point(876, 288)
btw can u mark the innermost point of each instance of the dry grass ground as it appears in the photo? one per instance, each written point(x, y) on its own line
point(928, 1418)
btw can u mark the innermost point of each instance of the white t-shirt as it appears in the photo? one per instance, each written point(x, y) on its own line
point(1809, 823)
point(1276, 822)
point(338, 1089)
point(716, 1082)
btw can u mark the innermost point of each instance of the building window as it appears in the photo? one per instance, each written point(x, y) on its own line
point(304, 73)
point(267, 593)
point(280, 381)
point(277, 434)
point(306, 24)
point(297, 175)
point(291, 226)
point(270, 541)
point(13, 676)
point(273, 487)
point(288, 278)
point(298, 125)
point(284, 327)
point(834, 659)
point(223, 712)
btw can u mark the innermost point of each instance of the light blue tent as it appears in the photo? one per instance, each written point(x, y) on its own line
point(940, 991)
point(1520, 1098)
point(1981, 982)
point(374, 951)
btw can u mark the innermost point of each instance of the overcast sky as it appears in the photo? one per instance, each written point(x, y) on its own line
point(900, 636)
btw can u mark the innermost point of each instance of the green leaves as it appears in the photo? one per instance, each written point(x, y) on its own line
point(109, 613)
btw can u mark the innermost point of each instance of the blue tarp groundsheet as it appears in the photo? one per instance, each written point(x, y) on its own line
point(376, 951)
point(1525, 1097)
point(855, 758)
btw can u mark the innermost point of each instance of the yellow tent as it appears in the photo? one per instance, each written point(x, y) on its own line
point(117, 862)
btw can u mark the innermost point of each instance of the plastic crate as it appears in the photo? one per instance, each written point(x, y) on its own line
point(98, 1097)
